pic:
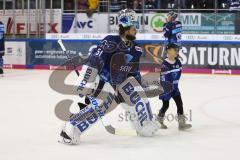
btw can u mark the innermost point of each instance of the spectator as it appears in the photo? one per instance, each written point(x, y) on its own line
point(170, 3)
point(92, 7)
point(19, 4)
point(130, 4)
point(137, 7)
point(200, 4)
point(234, 5)
point(222, 4)
point(150, 4)
point(189, 4)
point(93, 4)
point(164, 4)
point(103, 6)
point(159, 4)
point(68, 6)
point(83, 5)
point(206, 4)
point(115, 5)
point(180, 4)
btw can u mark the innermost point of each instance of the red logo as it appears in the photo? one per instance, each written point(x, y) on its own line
point(21, 28)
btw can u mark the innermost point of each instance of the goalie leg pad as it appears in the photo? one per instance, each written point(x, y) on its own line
point(137, 104)
point(89, 115)
point(87, 81)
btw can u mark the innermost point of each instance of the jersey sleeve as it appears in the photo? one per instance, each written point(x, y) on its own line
point(98, 57)
point(167, 29)
point(136, 71)
point(164, 76)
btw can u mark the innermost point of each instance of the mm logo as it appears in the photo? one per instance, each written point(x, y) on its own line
point(158, 21)
point(190, 19)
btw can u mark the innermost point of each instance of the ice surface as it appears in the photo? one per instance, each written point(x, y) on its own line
point(29, 128)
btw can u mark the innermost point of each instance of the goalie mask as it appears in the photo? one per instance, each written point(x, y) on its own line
point(128, 17)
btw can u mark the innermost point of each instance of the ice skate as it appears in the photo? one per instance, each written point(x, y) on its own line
point(69, 135)
point(182, 125)
point(160, 119)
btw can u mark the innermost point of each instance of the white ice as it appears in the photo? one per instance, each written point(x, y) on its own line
point(29, 128)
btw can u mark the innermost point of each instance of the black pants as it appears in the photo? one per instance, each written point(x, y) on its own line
point(98, 90)
point(165, 106)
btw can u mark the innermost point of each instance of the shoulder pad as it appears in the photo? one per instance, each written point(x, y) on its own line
point(178, 22)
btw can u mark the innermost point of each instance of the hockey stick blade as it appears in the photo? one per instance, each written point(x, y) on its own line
point(120, 132)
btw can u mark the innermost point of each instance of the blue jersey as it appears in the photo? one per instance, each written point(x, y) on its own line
point(173, 32)
point(2, 46)
point(116, 60)
point(171, 73)
point(234, 4)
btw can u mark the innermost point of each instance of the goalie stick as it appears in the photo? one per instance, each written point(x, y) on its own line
point(110, 129)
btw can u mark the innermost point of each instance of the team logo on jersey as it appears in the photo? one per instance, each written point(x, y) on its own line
point(128, 58)
point(174, 75)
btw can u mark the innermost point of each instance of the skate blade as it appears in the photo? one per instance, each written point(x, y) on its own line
point(66, 143)
point(62, 141)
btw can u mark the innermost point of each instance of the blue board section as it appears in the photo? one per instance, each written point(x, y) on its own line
point(48, 52)
point(68, 21)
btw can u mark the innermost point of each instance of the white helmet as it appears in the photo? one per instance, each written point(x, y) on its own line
point(128, 17)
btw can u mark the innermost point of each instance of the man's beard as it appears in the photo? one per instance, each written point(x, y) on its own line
point(130, 37)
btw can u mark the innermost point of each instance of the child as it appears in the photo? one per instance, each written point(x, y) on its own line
point(171, 72)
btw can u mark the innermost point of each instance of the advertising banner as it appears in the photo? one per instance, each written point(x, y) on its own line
point(151, 23)
point(186, 38)
point(98, 23)
point(15, 53)
point(191, 22)
point(205, 23)
point(205, 55)
point(37, 22)
point(208, 56)
point(50, 53)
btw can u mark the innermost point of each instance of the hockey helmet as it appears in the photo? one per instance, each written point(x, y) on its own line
point(172, 45)
point(128, 17)
point(173, 14)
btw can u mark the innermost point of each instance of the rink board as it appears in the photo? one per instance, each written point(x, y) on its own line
point(215, 54)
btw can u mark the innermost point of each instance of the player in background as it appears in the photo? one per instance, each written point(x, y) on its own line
point(171, 72)
point(173, 29)
point(104, 68)
point(2, 47)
